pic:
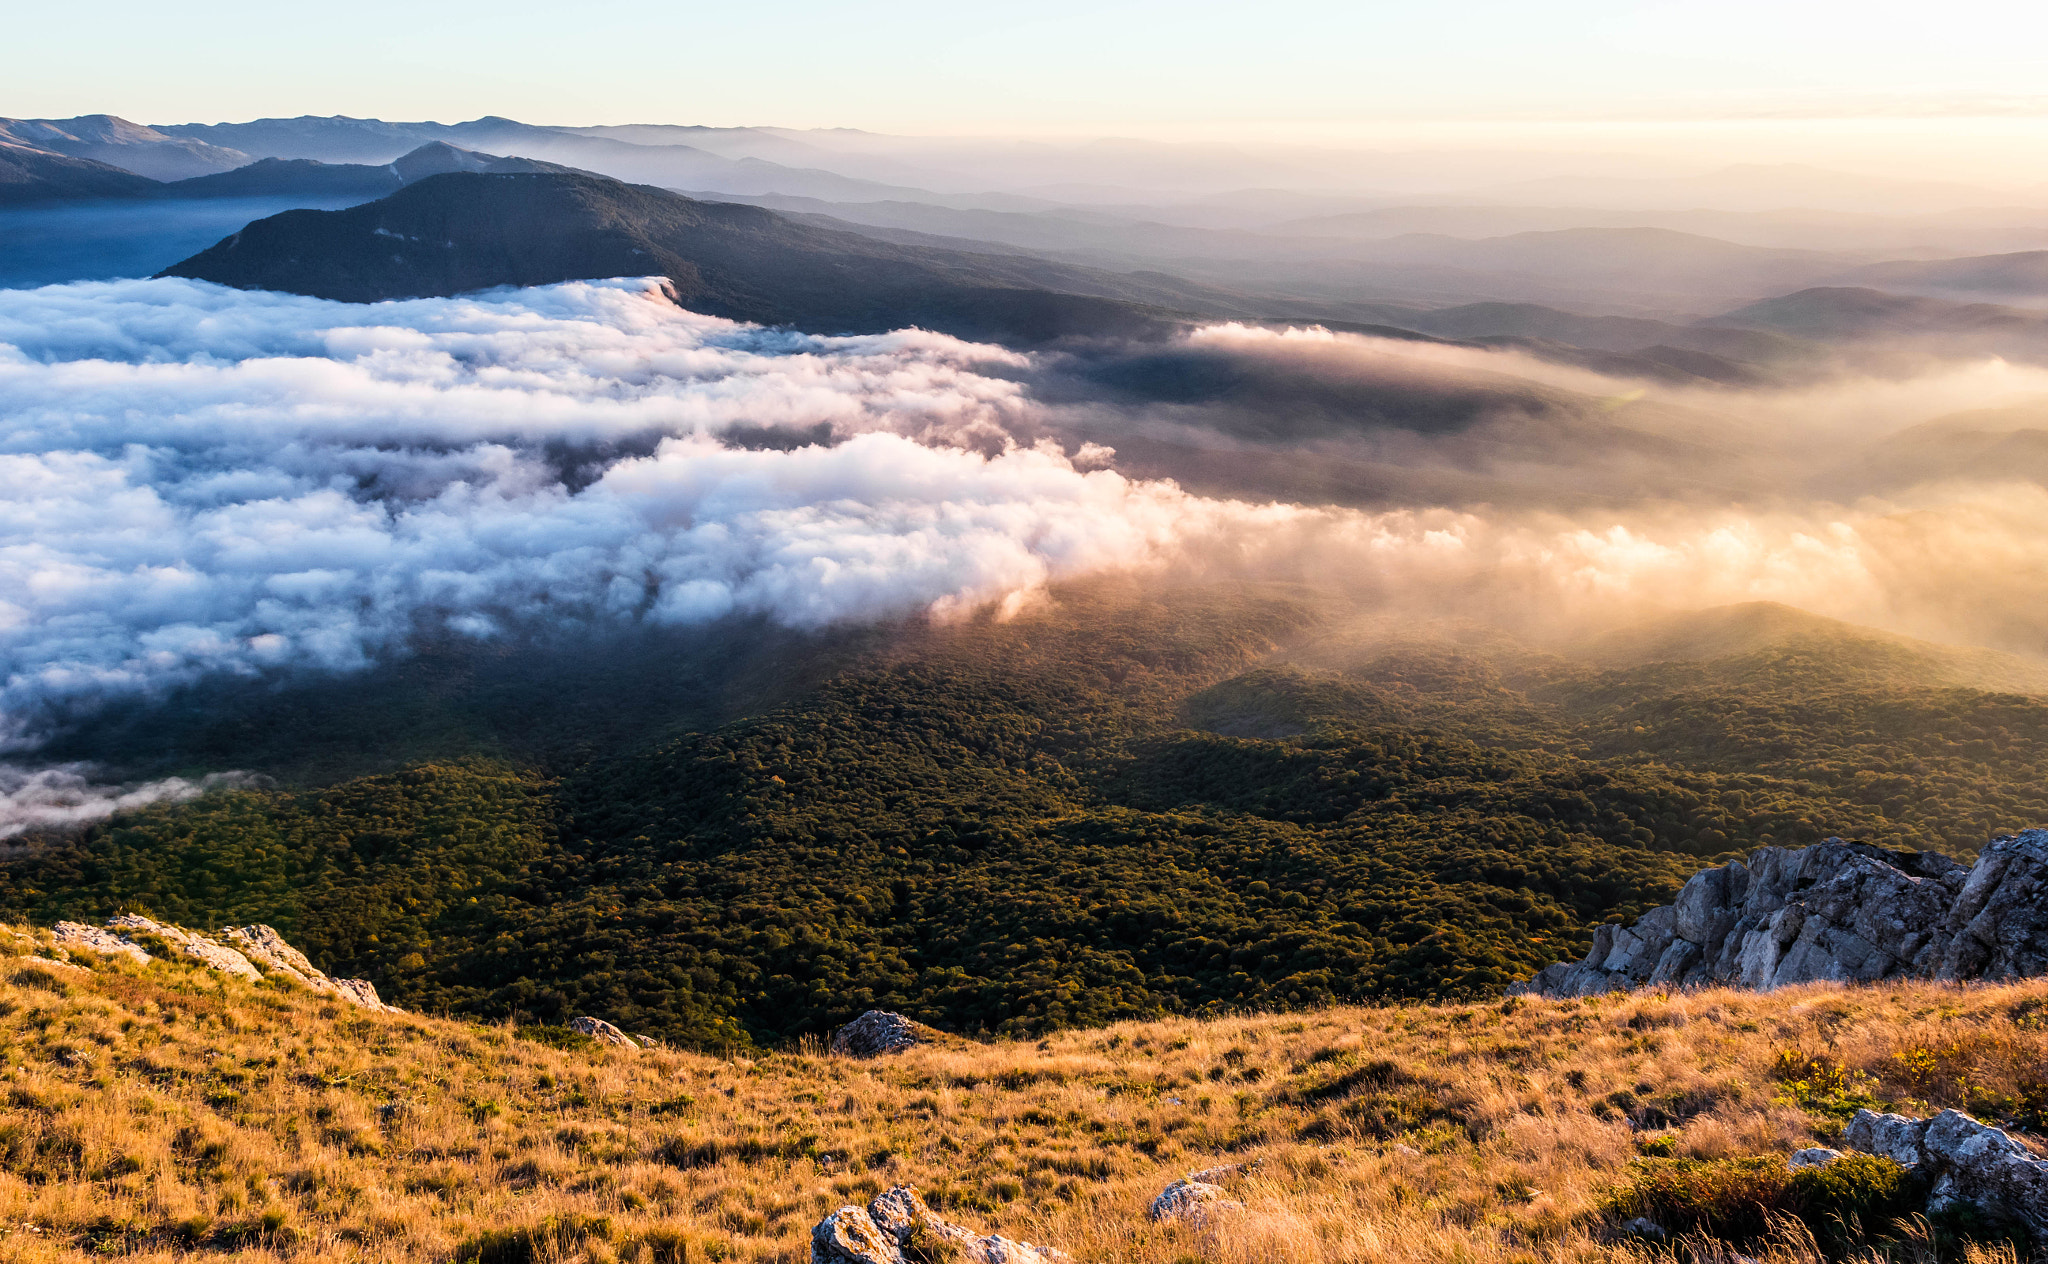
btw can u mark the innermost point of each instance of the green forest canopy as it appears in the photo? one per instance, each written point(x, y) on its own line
point(1124, 808)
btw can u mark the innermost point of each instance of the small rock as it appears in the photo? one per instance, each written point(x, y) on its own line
point(1193, 1201)
point(876, 1032)
point(1644, 1228)
point(1813, 1156)
point(1407, 1150)
point(879, 1233)
point(603, 1032)
point(850, 1236)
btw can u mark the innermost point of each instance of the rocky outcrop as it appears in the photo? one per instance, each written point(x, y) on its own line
point(246, 949)
point(77, 935)
point(1969, 1163)
point(1837, 911)
point(201, 949)
point(602, 1032)
point(881, 1232)
point(877, 1032)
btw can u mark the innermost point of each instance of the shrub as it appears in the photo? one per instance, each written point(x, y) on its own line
point(1724, 1198)
point(1843, 1203)
point(1825, 1088)
point(1855, 1195)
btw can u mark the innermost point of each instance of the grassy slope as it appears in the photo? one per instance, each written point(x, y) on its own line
point(160, 1110)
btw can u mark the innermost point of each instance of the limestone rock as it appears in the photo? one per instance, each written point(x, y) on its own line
point(94, 939)
point(267, 948)
point(1998, 928)
point(201, 949)
point(1971, 1163)
point(247, 947)
point(1836, 911)
point(876, 1032)
point(603, 1032)
point(1895, 1137)
point(362, 992)
point(1813, 1156)
point(880, 1232)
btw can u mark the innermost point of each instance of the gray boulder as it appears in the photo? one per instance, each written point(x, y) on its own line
point(876, 1032)
point(850, 1236)
point(1199, 1195)
point(1971, 1164)
point(1836, 911)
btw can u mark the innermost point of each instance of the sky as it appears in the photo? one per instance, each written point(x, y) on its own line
point(1329, 70)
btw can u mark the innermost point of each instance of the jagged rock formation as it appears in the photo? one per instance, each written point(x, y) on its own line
point(248, 947)
point(881, 1232)
point(877, 1032)
point(602, 1032)
point(1199, 1195)
point(1970, 1164)
point(1837, 911)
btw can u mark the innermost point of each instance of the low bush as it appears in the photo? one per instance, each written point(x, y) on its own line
point(1844, 1203)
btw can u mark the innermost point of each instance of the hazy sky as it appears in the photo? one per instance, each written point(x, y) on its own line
point(1326, 68)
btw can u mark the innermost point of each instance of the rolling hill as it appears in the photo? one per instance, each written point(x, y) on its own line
point(2018, 275)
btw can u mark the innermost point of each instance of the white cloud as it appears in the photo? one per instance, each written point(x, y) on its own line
point(195, 479)
point(198, 480)
point(64, 796)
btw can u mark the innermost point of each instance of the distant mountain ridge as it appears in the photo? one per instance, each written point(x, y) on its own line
point(474, 230)
point(146, 151)
point(29, 175)
point(668, 164)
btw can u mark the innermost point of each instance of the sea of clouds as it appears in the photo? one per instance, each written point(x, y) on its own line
point(196, 480)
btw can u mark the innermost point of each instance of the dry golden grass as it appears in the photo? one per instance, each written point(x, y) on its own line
point(162, 1111)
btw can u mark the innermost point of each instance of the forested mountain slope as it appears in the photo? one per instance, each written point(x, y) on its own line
point(1130, 805)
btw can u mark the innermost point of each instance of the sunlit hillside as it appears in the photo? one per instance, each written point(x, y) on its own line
point(154, 1111)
